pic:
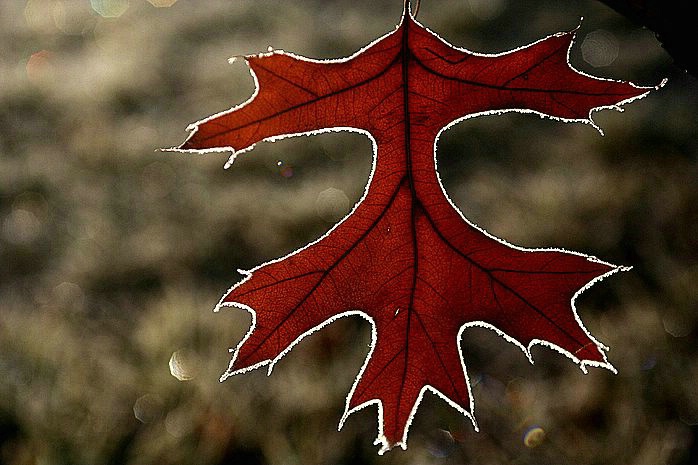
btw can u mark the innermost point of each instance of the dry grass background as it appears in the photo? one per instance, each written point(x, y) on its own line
point(113, 254)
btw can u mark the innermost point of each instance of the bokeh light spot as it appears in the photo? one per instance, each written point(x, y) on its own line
point(109, 8)
point(69, 295)
point(534, 437)
point(649, 363)
point(600, 48)
point(285, 170)
point(21, 227)
point(147, 408)
point(38, 16)
point(177, 423)
point(676, 325)
point(162, 3)
point(182, 365)
point(332, 204)
point(72, 17)
point(39, 67)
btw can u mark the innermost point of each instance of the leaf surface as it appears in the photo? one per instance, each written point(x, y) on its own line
point(405, 258)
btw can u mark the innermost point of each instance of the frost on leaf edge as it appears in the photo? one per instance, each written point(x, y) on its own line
point(381, 438)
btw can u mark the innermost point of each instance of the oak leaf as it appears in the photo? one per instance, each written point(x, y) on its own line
point(405, 258)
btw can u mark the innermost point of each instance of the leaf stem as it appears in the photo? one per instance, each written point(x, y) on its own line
point(416, 7)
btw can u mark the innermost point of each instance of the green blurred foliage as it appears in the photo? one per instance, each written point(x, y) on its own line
point(112, 254)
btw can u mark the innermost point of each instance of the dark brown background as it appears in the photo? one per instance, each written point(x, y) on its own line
point(113, 254)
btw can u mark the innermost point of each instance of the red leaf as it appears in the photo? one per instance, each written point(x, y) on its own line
point(405, 258)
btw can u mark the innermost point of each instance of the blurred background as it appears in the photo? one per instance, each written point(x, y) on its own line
point(113, 254)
